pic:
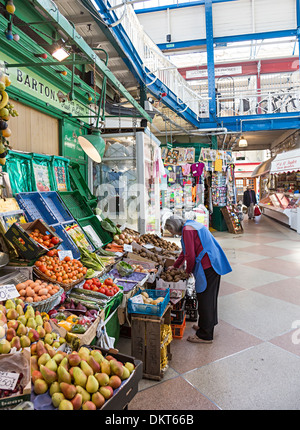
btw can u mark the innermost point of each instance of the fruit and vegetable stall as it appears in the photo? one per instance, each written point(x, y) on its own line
point(72, 283)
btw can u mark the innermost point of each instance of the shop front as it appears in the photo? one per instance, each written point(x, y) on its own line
point(282, 200)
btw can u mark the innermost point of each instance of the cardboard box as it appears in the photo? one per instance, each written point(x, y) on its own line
point(85, 338)
point(133, 256)
point(163, 285)
point(31, 249)
point(18, 362)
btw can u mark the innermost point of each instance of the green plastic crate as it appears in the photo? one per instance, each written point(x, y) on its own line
point(78, 183)
point(76, 204)
point(94, 231)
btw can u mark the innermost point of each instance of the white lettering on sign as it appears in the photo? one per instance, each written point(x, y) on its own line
point(219, 71)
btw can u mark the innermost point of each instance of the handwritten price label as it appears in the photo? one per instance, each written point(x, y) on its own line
point(8, 292)
point(63, 254)
point(8, 381)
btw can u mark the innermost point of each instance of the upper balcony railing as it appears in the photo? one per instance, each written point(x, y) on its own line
point(156, 65)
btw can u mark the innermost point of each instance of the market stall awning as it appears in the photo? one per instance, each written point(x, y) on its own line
point(263, 168)
point(286, 162)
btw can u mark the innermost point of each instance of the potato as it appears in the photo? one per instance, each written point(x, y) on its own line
point(145, 294)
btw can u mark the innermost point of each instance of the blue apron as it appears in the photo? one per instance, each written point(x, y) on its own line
point(214, 251)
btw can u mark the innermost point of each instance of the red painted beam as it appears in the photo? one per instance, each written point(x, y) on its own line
point(246, 68)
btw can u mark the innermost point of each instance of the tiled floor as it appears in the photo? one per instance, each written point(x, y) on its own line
point(254, 361)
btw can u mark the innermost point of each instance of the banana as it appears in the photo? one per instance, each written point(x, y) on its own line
point(4, 100)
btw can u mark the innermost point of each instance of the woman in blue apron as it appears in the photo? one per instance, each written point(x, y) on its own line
point(206, 260)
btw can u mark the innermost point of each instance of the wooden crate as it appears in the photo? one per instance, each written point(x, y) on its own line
point(146, 342)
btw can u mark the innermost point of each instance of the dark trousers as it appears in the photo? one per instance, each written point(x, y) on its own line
point(208, 306)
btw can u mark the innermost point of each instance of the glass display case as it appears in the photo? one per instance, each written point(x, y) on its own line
point(126, 183)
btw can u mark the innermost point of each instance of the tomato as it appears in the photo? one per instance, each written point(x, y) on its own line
point(67, 258)
point(102, 290)
point(50, 253)
point(86, 287)
point(108, 281)
point(55, 240)
point(46, 237)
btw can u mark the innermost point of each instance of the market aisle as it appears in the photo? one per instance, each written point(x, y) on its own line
point(254, 362)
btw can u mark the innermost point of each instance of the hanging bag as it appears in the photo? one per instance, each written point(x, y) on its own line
point(257, 211)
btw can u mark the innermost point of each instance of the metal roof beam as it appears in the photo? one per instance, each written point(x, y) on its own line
point(52, 12)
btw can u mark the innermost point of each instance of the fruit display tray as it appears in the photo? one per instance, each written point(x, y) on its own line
point(122, 395)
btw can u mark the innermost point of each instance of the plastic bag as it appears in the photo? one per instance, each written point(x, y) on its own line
point(124, 268)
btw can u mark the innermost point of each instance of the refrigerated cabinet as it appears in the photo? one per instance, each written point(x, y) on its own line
point(126, 182)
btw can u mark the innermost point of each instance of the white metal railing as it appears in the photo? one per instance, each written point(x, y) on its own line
point(258, 102)
point(156, 65)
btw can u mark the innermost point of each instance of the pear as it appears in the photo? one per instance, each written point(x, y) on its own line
point(52, 365)
point(64, 362)
point(84, 352)
point(77, 401)
point(34, 363)
point(88, 406)
point(130, 366)
point(31, 323)
point(58, 357)
point(92, 384)
point(40, 348)
point(85, 395)
point(41, 331)
point(29, 313)
point(21, 330)
point(63, 374)
point(16, 343)
point(125, 374)
point(25, 341)
point(39, 320)
point(4, 346)
point(22, 320)
point(79, 376)
point(98, 400)
point(33, 335)
point(57, 399)
point(12, 314)
point(42, 360)
point(65, 405)
point(48, 338)
point(62, 340)
point(116, 368)
point(96, 354)
point(19, 309)
point(10, 304)
point(51, 351)
point(49, 375)
point(40, 386)
point(54, 388)
point(86, 368)
point(105, 367)
point(94, 364)
point(68, 390)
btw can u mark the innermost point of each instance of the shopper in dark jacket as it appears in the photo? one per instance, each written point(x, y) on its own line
point(249, 200)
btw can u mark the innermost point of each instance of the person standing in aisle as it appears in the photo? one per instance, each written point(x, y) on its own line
point(249, 200)
point(206, 260)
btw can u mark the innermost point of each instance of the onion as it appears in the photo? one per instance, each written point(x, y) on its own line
point(116, 237)
point(126, 241)
point(122, 236)
point(120, 242)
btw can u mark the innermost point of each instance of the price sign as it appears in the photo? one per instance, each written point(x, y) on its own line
point(127, 248)
point(63, 254)
point(8, 381)
point(8, 291)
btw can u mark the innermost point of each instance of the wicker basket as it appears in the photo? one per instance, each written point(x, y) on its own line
point(48, 304)
point(65, 286)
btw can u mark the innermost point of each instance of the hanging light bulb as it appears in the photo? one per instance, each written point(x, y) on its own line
point(16, 37)
point(10, 7)
point(8, 34)
point(243, 142)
